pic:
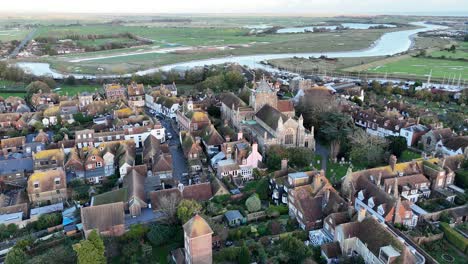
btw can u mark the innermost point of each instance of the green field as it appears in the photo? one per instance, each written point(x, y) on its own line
point(261, 44)
point(76, 89)
point(12, 34)
point(6, 95)
point(450, 55)
point(423, 66)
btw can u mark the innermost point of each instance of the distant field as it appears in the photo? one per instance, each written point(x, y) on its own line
point(76, 89)
point(274, 43)
point(12, 34)
point(6, 95)
point(423, 66)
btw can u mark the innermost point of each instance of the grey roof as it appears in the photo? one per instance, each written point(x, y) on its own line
point(16, 165)
point(47, 209)
point(233, 215)
point(11, 218)
point(270, 116)
point(98, 172)
point(297, 175)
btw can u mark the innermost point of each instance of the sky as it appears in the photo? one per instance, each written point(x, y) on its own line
point(240, 6)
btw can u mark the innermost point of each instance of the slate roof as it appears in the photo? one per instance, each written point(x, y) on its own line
point(14, 165)
point(230, 99)
point(270, 116)
point(197, 192)
point(134, 181)
point(233, 215)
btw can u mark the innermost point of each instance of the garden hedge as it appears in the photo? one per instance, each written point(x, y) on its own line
point(454, 237)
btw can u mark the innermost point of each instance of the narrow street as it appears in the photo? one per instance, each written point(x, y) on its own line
point(23, 43)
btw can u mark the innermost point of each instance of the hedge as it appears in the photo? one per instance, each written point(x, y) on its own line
point(454, 237)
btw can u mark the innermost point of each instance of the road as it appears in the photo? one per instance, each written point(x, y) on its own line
point(179, 162)
point(23, 43)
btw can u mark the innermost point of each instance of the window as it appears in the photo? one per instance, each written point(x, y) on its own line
point(57, 181)
point(57, 191)
point(117, 137)
point(90, 166)
point(289, 139)
point(36, 184)
point(93, 157)
point(84, 136)
point(99, 164)
point(441, 181)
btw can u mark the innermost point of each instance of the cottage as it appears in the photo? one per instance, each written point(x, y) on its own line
point(106, 219)
point(47, 186)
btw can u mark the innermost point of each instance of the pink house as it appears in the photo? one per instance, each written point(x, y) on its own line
point(254, 157)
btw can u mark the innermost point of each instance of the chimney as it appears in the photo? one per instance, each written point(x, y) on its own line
point(163, 185)
point(325, 198)
point(395, 188)
point(379, 179)
point(284, 164)
point(239, 135)
point(228, 138)
point(361, 214)
point(254, 147)
point(180, 186)
point(392, 162)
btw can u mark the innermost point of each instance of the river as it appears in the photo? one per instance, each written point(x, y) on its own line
point(389, 44)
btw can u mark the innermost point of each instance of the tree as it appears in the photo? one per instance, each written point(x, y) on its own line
point(16, 256)
point(91, 250)
point(234, 79)
point(335, 129)
point(244, 255)
point(397, 145)
point(187, 209)
point(295, 249)
point(253, 203)
point(70, 80)
point(168, 205)
point(366, 149)
point(160, 234)
point(36, 87)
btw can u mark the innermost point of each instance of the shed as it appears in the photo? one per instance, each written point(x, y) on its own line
point(234, 218)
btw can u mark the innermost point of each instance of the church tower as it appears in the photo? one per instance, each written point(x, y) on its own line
point(263, 94)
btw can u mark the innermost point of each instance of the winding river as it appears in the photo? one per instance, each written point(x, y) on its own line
point(389, 44)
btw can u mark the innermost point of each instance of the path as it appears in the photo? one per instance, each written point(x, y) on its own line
point(23, 43)
point(324, 152)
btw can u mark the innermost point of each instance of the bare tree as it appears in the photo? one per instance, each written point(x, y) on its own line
point(168, 206)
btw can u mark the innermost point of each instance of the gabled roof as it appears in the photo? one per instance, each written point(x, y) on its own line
point(134, 181)
point(103, 217)
point(46, 180)
point(442, 133)
point(456, 143)
point(57, 154)
point(13, 142)
point(212, 137)
point(196, 227)
point(163, 163)
point(230, 100)
point(270, 116)
point(198, 192)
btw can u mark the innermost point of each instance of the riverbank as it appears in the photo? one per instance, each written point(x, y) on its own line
point(387, 44)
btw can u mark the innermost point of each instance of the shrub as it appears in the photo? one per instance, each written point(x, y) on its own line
point(274, 227)
point(454, 237)
point(253, 203)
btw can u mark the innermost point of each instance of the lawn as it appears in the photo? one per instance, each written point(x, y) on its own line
point(76, 89)
point(422, 67)
point(337, 170)
point(409, 155)
point(440, 247)
point(6, 95)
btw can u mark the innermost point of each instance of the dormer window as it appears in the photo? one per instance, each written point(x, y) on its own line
point(371, 202)
point(93, 157)
point(361, 195)
point(36, 184)
point(380, 210)
point(57, 181)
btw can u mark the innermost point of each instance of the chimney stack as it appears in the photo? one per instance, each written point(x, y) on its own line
point(395, 189)
point(361, 214)
point(239, 135)
point(284, 164)
point(392, 162)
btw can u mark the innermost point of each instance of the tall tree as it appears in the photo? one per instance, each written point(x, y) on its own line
point(396, 145)
point(335, 129)
point(91, 250)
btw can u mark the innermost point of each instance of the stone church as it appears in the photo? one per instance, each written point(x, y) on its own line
point(270, 121)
